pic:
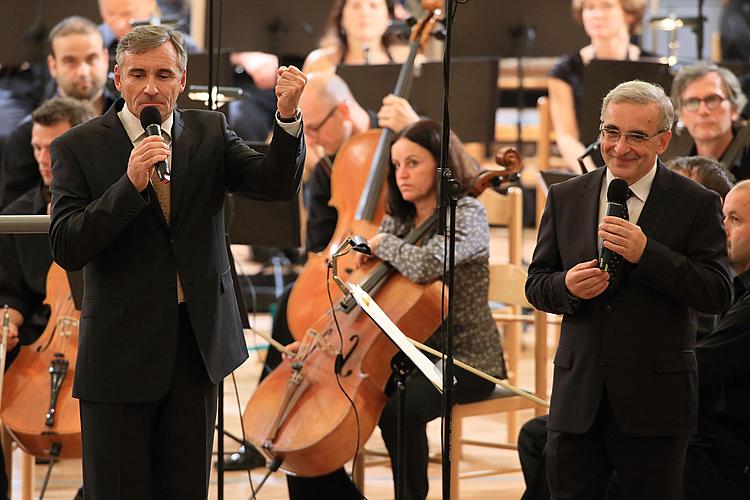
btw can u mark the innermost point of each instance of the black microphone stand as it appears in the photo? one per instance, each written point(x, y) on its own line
point(448, 190)
point(220, 408)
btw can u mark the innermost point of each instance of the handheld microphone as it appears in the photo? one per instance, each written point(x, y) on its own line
point(151, 123)
point(617, 195)
point(587, 152)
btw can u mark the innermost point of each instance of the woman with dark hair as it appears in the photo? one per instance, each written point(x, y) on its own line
point(357, 34)
point(411, 202)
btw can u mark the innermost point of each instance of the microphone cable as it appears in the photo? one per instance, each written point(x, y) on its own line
point(337, 370)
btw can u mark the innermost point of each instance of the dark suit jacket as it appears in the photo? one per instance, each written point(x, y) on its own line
point(131, 256)
point(638, 338)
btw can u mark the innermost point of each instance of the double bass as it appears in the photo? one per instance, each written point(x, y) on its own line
point(359, 170)
point(38, 408)
point(315, 410)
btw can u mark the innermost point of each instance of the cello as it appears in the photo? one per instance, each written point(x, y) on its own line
point(312, 414)
point(38, 408)
point(360, 167)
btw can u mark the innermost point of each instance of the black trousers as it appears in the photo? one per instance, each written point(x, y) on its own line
point(532, 453)
point(423, 404)
point(154, 450)
point(580, 466)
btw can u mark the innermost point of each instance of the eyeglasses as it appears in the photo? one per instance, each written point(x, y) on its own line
point(712, 102)
point(316, 128)
point(611, 134)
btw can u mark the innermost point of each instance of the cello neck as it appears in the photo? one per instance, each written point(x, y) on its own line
point(368, 201)
point(383, 269)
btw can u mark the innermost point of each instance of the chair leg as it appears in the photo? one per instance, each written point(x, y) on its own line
point(456, 453)
point(513, 345)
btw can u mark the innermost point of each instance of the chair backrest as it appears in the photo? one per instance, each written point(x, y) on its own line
point(506, 210)
point(543, 139)
point(507, 285)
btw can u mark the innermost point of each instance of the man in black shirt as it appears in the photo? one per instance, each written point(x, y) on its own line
point(708, 100)
point(78, 64)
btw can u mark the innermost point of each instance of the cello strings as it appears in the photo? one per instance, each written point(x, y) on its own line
point(338, 379)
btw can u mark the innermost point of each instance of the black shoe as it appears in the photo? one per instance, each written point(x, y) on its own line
point(247, 457)
point(79, 495)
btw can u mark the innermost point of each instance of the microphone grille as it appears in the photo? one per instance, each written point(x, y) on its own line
point(617, 192)
point(150, 116)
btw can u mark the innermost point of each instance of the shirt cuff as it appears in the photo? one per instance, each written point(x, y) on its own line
point(292, 128)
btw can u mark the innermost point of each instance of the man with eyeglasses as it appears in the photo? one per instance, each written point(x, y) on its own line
point(624, 395)
point(332, 117)
point(708, 100)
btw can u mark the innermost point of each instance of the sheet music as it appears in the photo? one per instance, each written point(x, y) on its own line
point(422, 362)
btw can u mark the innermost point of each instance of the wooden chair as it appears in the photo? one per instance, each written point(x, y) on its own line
point(506, 286)
point(506, 210)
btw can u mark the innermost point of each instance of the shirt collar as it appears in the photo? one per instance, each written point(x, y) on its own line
point(133, 127)
point(642, 186)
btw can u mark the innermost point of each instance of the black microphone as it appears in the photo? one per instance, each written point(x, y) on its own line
point(151, 123)
point(587, 152)
point(617, 195)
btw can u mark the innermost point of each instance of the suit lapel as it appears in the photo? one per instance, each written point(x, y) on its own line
point(116, 138)
point(587, 213)
point(119, 143)
point(181, 141)
point(658, 202)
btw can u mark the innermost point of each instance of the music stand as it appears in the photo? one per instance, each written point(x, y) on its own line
point(197, 74)
point(600, 76)
point(287, 28)
point(473, 92)
point(263, 223)
point(492, 28)
point(25, 26)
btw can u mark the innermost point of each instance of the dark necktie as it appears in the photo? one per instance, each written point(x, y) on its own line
point(616, 260)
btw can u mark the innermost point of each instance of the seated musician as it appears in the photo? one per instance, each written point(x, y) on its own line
point(333, 117)
point(708, 100)
point(411, 202)
point(26, 259)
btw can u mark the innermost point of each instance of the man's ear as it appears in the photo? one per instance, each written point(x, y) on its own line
point(664, 141)
point(118, 78)
point(183, 80)
point(345, 111)
point(52, 66)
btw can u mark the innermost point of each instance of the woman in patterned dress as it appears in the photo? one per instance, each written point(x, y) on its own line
point(412, 200)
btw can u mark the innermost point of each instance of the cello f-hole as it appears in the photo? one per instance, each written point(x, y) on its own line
point(354, 339)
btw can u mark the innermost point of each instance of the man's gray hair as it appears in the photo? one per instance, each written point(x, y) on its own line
point(638, 92)
point(729, 82)
point(144, 38)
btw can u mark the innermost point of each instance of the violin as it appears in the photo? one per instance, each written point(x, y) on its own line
point(299, 416)
point(357, 193)
point(38, 408)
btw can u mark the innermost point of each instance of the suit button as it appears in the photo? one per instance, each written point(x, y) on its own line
point(608, 308)
point(173, 241)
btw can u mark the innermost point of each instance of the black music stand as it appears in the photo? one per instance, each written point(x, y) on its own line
point(601, 76)
point(288, 28)
point(197, 74)
point(489, 28)
point(25, 26)
point(473, 94)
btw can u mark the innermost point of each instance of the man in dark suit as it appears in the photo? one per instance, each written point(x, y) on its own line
point(624, 395)
point(159, 324)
